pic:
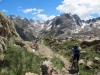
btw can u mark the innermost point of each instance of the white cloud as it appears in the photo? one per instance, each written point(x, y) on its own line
point(51, 17)
point(38, 11)
point(33, 10)
point(29, 10)
point(83, 8)
point(45, 17)
point(4, 10)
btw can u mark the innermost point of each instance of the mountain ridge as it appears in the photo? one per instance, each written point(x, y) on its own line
point(63, 25)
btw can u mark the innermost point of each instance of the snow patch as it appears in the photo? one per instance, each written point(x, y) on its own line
point(49, 27)
point(58, 26)
point(83, 25)
point(50, 22)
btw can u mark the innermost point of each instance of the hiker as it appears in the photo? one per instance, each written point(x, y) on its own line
point(76, 54)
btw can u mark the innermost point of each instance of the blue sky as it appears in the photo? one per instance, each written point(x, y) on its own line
point(17, 7)
point(48, 9)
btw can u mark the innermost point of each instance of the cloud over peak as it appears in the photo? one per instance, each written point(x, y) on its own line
point(38, 14)
point(84, 8)
point(45, 17)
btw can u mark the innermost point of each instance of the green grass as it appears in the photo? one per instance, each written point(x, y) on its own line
point(64, 49)
point(57, 63)
point(61, 48)
point(84, 71)
point(18, 61)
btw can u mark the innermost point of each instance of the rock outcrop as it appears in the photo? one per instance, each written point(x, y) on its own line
point(8, 33)
point(7, 27)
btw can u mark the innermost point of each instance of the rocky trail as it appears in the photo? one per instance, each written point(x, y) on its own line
point(47, 52)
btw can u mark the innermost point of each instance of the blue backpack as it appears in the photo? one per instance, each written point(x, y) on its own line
point(76, 51)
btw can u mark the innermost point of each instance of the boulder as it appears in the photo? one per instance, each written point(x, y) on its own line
point(29, 73)
point(98, 73)
point(48, 64)
point(89, 65)
point(96, 60)
point(81, 61)
point(53, 72)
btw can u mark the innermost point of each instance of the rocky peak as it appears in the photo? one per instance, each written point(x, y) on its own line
point(77, 19)
point(64, 24)
point(93, 20)
point(66, 16)
point(14, 17)
point(31, 20)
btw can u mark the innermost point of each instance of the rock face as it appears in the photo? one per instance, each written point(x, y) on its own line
point(25, 35)
point(68, 24)
point(65, 24)
point(8, 33)
point(92, 26)
point(7, 28)
point(23, 27)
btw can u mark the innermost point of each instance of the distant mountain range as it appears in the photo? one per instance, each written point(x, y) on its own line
point(63, 25)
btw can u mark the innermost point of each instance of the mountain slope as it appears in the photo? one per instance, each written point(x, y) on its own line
point(7, 27)
point(92, 27)
point(60, 26)
point(65, 24)
point(15, 58)
point(68, 24)
point(23, 27)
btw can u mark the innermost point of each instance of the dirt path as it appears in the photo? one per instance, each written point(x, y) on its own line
point(47, 52)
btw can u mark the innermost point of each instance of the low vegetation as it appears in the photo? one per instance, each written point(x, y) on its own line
point(57, 63)
point(90, 52)
point(18, 61)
